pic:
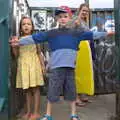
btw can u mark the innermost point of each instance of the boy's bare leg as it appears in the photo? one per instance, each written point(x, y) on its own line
point(48, 111)
point(49, 108)
point(73, 109)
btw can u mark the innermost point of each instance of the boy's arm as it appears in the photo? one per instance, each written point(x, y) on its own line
point(86, 36)
point(99, 35)
point(33, 39)
point(26, 40)
point(95, 35)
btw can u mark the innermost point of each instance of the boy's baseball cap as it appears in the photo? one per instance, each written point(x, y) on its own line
point(63, 9)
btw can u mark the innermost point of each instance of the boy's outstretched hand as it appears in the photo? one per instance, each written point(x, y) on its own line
point(14, 41)
point(110, 33)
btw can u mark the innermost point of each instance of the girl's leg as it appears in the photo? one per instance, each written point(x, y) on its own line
point(36, 103)
point(36, 94)
point(28, 100)
point(28, 103)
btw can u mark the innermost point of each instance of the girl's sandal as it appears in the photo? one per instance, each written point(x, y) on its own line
point(46, 117)
point(34, 117)
point(26, 116)
point(74, 116)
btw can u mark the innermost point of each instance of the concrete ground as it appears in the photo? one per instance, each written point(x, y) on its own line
point(102, 108)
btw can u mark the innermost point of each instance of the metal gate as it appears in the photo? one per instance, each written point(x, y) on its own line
point(106, 53)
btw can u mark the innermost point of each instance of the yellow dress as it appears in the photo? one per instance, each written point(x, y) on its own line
point(29, 72)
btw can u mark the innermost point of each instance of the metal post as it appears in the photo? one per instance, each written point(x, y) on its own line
point(87, 1)
point(4, 48)
point(117, 39)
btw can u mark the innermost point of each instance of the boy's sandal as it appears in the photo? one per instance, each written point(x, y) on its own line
point(47, 117)
point(74, 116)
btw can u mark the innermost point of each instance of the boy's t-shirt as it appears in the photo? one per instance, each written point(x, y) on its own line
point(63, 44)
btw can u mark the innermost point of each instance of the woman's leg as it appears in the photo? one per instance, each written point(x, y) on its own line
point(84, 98)
point(79, 102)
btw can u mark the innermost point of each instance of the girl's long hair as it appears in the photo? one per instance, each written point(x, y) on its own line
point(80, 8)
point(20, 26)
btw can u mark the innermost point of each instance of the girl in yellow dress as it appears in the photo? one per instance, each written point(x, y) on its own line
point(30, 70)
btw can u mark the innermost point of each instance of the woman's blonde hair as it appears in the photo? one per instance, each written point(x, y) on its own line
point(81, 6)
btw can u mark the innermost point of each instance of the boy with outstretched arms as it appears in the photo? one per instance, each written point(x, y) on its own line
point(63, 43)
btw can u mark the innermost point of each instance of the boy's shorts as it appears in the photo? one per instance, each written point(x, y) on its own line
point(61, 81)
